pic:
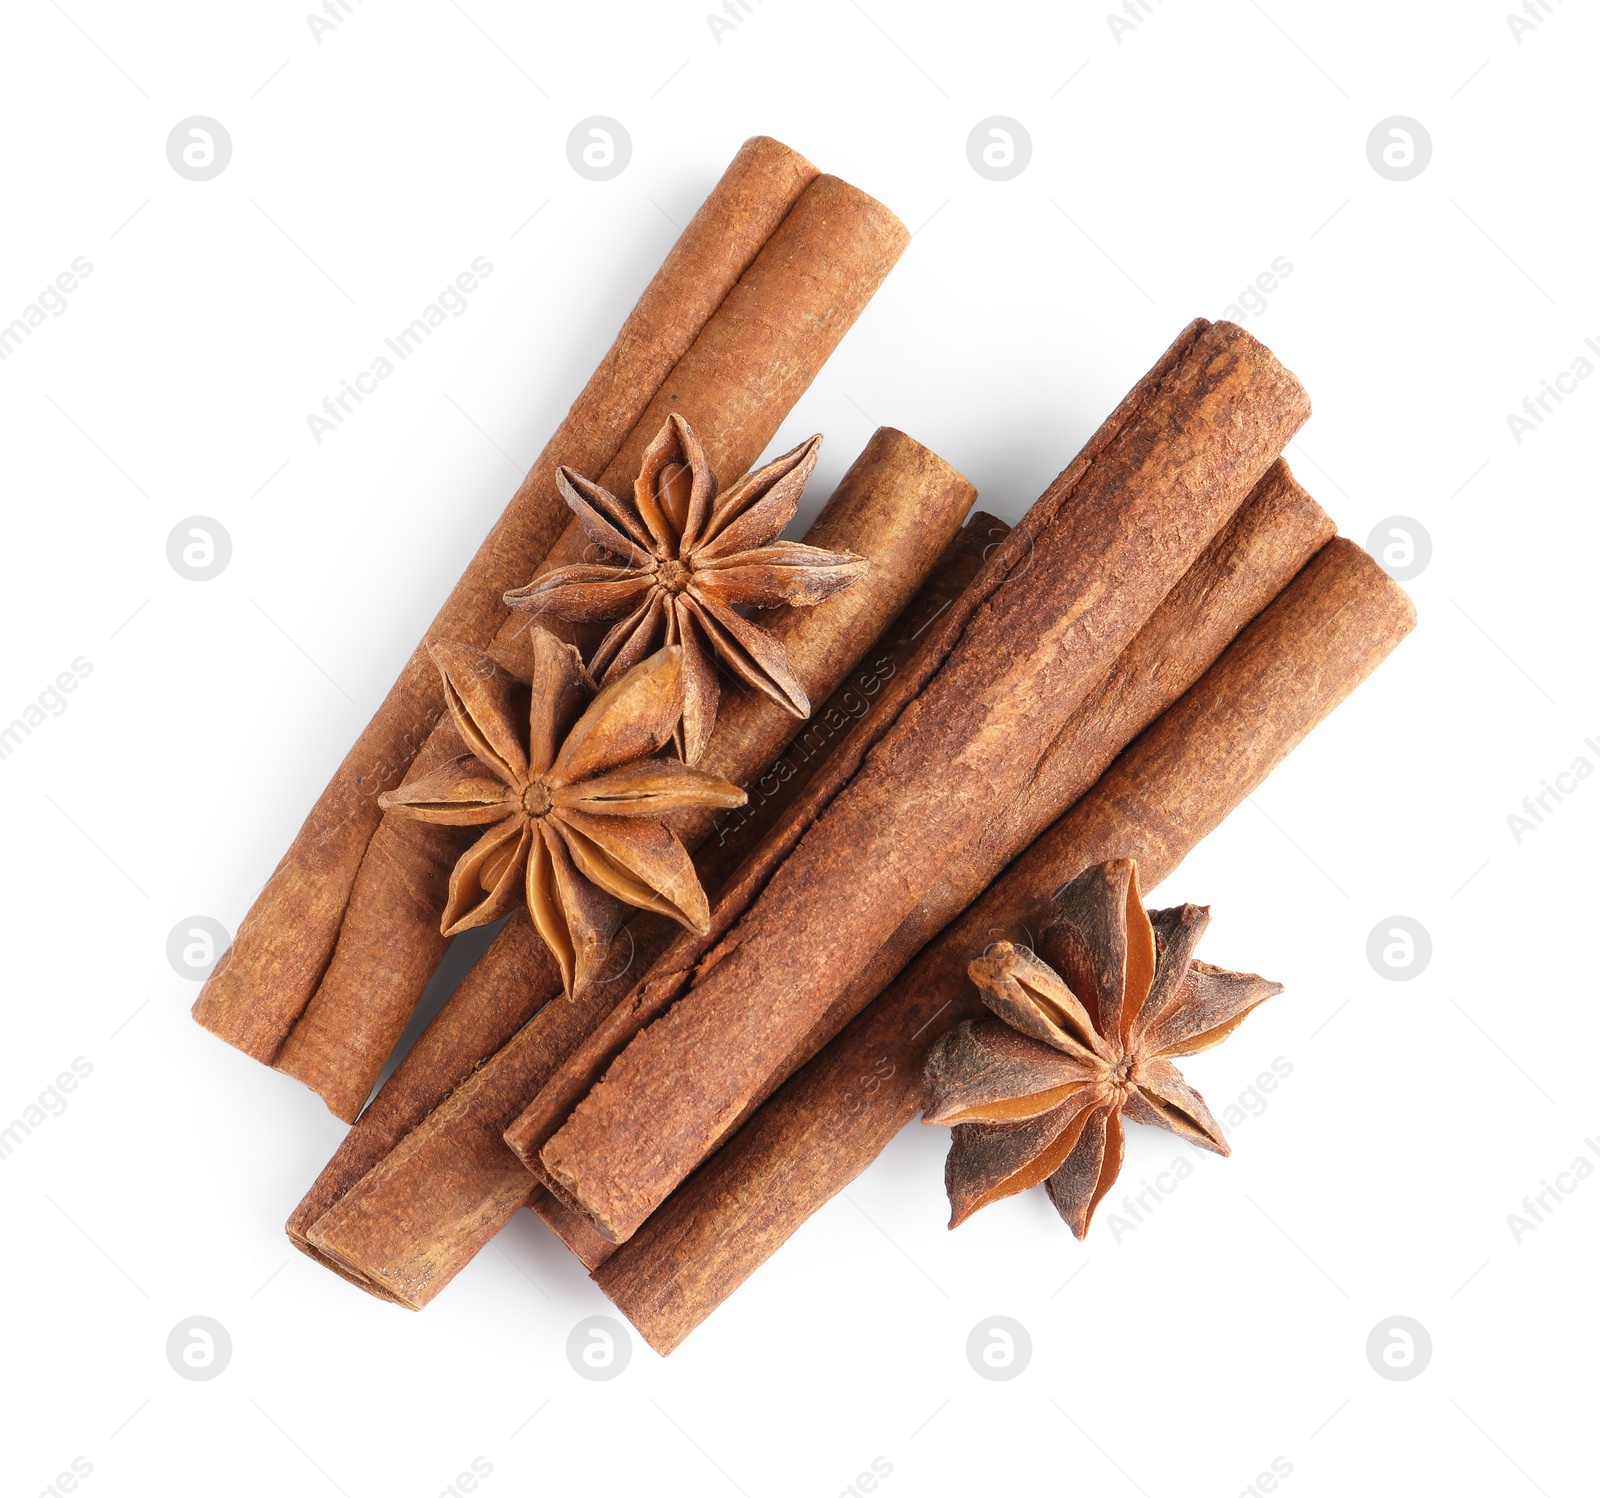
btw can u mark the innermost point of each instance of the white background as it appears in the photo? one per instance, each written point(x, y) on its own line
point(1169, 167)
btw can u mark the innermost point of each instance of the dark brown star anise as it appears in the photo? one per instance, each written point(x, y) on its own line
point(571, 802)
point(689, 558)
point(1087, 1038)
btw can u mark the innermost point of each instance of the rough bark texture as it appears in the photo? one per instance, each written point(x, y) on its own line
point(1171, 787)
point(807, 779)
point(484, 1013)
point(1077, 582)
point(1249, 562)
point(284, 942)
point(899, 506)
point(1252, 559)
point(751, 362)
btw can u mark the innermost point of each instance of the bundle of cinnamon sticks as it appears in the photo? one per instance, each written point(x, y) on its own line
point(1001, 708)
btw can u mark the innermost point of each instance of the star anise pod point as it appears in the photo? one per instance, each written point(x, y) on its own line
point(1039, 1091)
point(687, 560)
point(571, 806)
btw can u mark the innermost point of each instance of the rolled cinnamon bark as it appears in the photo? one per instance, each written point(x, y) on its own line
point(1075, 583)
point(797, 789)
point(423, 1180)
point(896, 487)
point(266, 977)
point(751, 362)
point(1248, 563)
point(1271, 536)
point(572, 1228)
point(737, 833)
point(1198, 761)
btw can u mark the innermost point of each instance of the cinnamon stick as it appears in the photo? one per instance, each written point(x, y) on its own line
point(750, 363)
point(1074, 584)
point(893, 505)
point(1271, 536)
point(784, 818)
point(736, 834)
point(500, 993)
point(1198, 761)
point(424, 1178)
point(572, 1228)
point(798, 788)
point(267, 976)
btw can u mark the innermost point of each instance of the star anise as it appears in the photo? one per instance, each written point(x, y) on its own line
point(571, 803)
point(1087, 1038)
point(688, 560)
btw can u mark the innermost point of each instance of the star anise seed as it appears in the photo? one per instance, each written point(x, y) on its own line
point(689, 560)
point(570, 806)
point(1039, 1093)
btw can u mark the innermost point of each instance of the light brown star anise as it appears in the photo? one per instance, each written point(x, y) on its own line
point(1087, 1038)
point(571, 803)
point(689, 558)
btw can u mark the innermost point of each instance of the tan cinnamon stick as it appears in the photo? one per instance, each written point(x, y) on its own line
point(893, 505)
point(265, 979)
point(1077, 582)
point(422, 1181)
point(737, 833)
point(515, 979)
point(775, 797)
point(572, 1228)
point(751, 362)
point(1171, 787)
point(1242, 557)
point(1271, 536)
point(511, 984)
point(798, 788)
